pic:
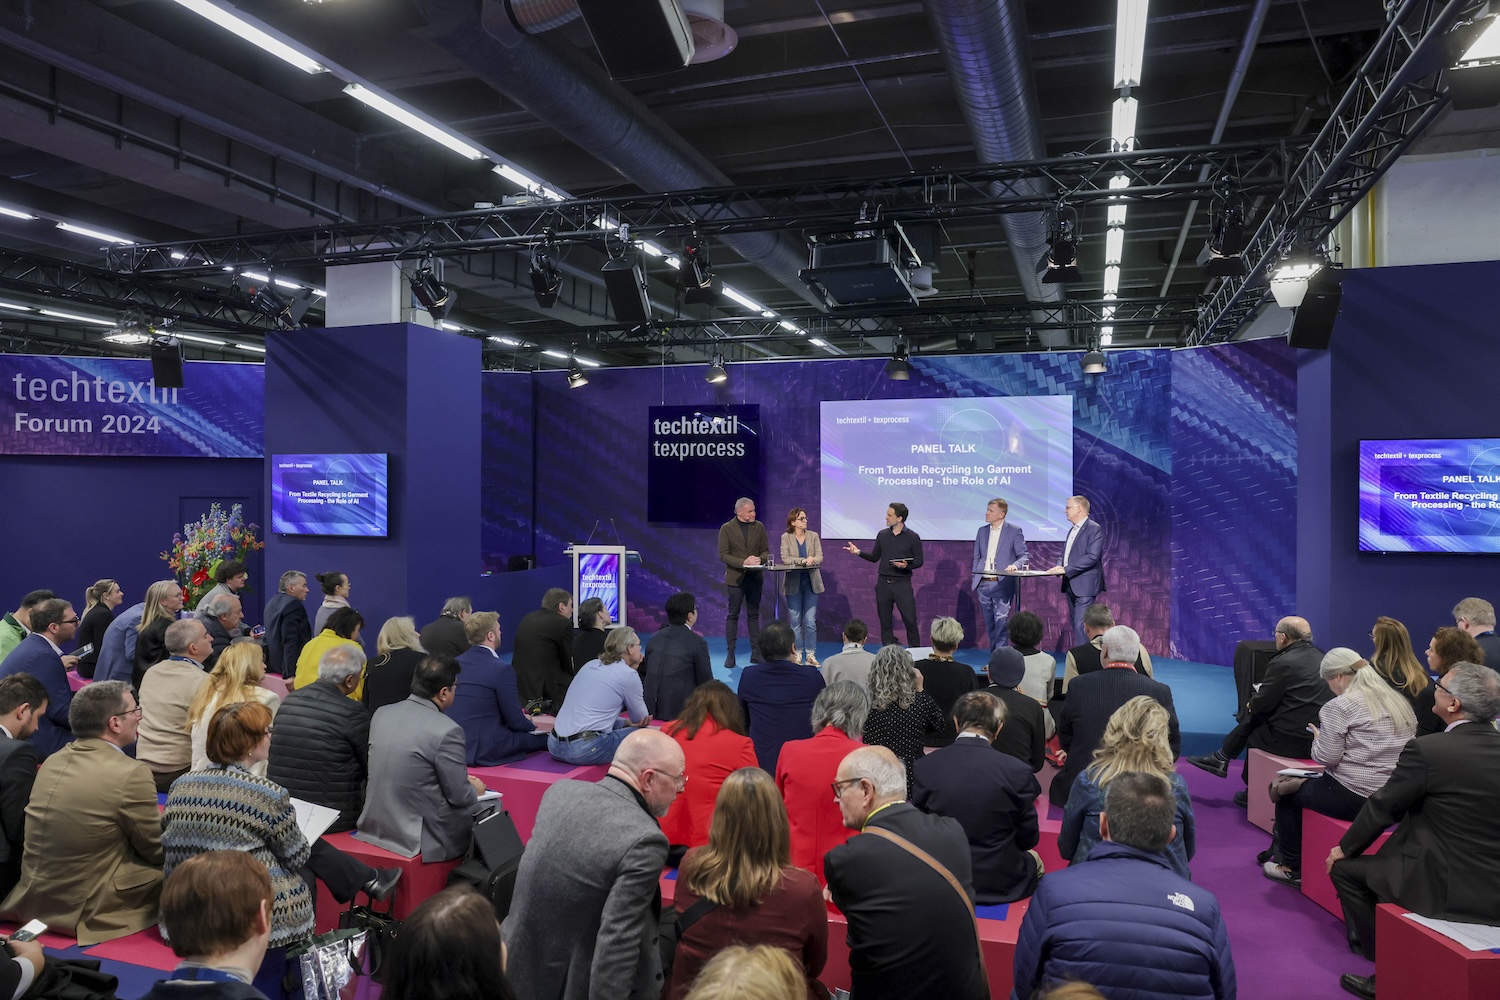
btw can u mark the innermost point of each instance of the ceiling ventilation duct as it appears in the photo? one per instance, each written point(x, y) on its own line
point(635, 38)
point(713, 38)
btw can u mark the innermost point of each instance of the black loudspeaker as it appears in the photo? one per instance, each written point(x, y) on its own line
point(166, 362)
point(625, 281)
point(1312, 325)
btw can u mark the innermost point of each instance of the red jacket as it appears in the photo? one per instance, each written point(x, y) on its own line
point(805, 774)
point(711, 756)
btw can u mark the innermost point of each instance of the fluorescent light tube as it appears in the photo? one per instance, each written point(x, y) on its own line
point(412, 120)
point(1106, 336)
point(197, 339)
point(256, 33)
point(68, 227)
point(744, 300)
point(251, 347)
point(555, 354)
point(818, 343)
point(1122, 124)
point(1114, 245)
point(1112, 280)
point(1130, 42)
point(75, 317)
point(16, 306)
point(586, 362)
point(15, 214)
point(1117, 209)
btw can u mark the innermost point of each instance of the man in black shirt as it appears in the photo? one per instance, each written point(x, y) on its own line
point(898, 551)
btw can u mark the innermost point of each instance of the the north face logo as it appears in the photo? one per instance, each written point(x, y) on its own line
point(1179, 899)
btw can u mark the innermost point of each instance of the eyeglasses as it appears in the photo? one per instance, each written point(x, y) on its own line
point(269, 731)
point(125, 715)
point(1444, 689)
point(680, 780)
point(69, 621)
point(839, 786)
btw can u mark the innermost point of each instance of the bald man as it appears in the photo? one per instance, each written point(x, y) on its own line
point(1281, 709)
point(583, 921)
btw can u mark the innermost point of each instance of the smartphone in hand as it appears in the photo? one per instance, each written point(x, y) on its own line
point(29, 931)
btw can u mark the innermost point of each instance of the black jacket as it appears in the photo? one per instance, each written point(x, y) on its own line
point(444, 636)
point(1024, 735)
point(676, 663)
point(91, 633)
point(320, 750)
point(388, 677)
point(150, 649)
point(1092, 699)
point(218, 635)
point(543, 656)
point(588, 643)
point(288, 629)
point(18, 763)
point(1289, 698)
point(947, 681)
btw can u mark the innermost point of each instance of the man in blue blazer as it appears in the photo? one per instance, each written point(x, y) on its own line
point(53, 624)
point(487, 703)
point(777, 695)
point(998, 547)
point(1082, 565)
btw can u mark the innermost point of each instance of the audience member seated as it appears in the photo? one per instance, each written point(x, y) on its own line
point(150, 639)
point(676, 660)
point(487, 704)
point(343, 629)
point(1084, 659)
point(397, 653)
point(543, 650)
point(23, 700)
point(711, 732)
point(444, 635)
point(99, 603)
point(1395, 662)
point(230, 578)
point(944, 679)
point(1095, 697)
point(235, 678)
point(1125, 921)
point(807, 768)
point(763, 972)
point(1285, 703)
point(1135, 742)
point(40, 655)
point(1445, 794)
point(1476, 616)
point(1026, 722)
point(227, 808)
point(420, 798)
point(742, 888)
point(216, 908)
point(449, 947)
point(320, 751)
point(22, 964)
point(902, 715)
point(588, 637)
point(910, 934)
point(16, 625)
point(335, 588)
point(1041, 667)
point(853, 662)
point(166, 741)
point(221, 617)
point(1449, 645)
point(117, 655)
point(588, 729)
point(583, 919)
point(993, 797)
point(287, 626)
point(92, 863)
point(778, 695)
point(1358, 739)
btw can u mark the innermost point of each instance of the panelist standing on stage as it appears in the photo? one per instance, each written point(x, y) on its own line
point(743, 542)
point(1082, 566)
point(803, 548)
point(898, 551)
point(997, 545)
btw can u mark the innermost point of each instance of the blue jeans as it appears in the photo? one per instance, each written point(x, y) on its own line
point(599, 750)
point(803, 608)
point(997, 599)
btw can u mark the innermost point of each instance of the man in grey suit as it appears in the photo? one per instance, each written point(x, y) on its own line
point(583, 921)
point(420, 797)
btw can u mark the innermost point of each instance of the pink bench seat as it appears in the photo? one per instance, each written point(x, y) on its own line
point(1263, 768)
point(1320, 834)
point(1413, 962)
point(521, 785)
point(419, 881)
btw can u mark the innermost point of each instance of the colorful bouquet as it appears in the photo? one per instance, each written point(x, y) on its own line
point(200, 547)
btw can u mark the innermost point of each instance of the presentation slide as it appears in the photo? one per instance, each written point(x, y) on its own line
point(945, 459)
point(329, 495)
point(1429, 495)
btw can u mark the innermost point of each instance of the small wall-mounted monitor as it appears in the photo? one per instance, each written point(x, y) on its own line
point(1430, 495)
point(330, 495)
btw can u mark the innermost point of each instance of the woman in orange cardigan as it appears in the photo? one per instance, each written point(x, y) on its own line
point(711, 730)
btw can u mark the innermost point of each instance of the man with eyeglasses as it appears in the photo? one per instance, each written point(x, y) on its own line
point(583, 920)
point(168, 691)
point(53, 625)
point(92, 862)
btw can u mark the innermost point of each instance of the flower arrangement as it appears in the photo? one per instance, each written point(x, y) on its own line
point(200, 547)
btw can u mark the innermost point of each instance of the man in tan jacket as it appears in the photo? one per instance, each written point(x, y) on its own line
point(93, 857)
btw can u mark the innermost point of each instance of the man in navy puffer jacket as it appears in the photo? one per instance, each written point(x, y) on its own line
point(1123, 920)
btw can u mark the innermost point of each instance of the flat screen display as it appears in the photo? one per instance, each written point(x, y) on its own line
point(1429, 495)
point(330, 495)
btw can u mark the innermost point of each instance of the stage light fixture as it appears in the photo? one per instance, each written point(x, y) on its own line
point(1094, 362)
point(699, 283)
point(898, 368)
point(576, 378)
point(1473, 76)
point(268, 301)
point(1059, 265)
point(437, 298)
point(1222, 255)
point(546, 280)
point(131, 331)
point(716, 371)
point(1289, 279)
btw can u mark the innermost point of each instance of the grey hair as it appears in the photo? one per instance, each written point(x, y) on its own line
point(843, 705)
point(1098, 616)
point(180, 635)
point(616, 643)
point(891, 680)
point(1122, 643)
point(287, 578)
point(341, 662)
point(946, 633)
point(456, 606)
point(94, 705)
point(1475, 610)
point(1477, 689)
point(742, 503)
point(886, 776)
point(217, 605)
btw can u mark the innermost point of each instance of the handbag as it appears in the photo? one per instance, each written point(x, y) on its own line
point(380, 928)
point(1284, 785)
point(326, 967)
point(671, 928)
point(493, 861)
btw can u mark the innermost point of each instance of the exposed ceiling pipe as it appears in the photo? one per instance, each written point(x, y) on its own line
point(570, 94)
point(536, 16)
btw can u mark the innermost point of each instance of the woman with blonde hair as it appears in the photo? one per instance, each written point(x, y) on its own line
point(398, 651)
point(902, 715)
point(147, 645)
point(234, 679)
point(741, 973)
point(1358, 738)
point(1135, 740)
point(741, 888)
point(99, 603)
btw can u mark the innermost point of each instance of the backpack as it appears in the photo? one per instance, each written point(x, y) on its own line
point(493, 861)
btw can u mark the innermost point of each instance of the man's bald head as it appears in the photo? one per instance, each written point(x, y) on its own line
point(652, 763)
point(1293, 629)
point(869, 778)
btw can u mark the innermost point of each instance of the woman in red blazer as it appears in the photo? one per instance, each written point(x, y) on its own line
point(711, 731)
point(806, 769)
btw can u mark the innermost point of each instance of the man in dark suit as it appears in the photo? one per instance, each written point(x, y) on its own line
point(992, 795)
point(288, 628)
point(1095, 697)
point(910, 932)
point(1082, 565)
point(1445, 794)
point(743, 545)
point(543, 654)
point(53, 624)
point(1476, 616)
point(23, 700)
point(1287, 701)
point(1084, 658)
point(221, 616)
point(1025, 734)
point(997, 547)
point(487, 703)
point(778, 696)
point(444, 635)
point(676, 660)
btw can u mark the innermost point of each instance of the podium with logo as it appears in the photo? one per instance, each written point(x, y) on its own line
point(600, 571)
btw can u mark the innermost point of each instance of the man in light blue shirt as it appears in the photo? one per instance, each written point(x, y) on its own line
point(589, 729)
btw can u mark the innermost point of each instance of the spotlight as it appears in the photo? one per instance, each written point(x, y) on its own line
point(898, 368)
point(132, 330)
point(436, 297)
point(716, 372)
point(1094, 362)
point(1059, 265)
point(1221, 256)
point(576, 378)
point(1290, 279)
point(268, 301)
point(546, 280)
point(699, 283)
point(1473, 76)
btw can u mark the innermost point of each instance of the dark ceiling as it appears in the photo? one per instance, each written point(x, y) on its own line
point(138, 117)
